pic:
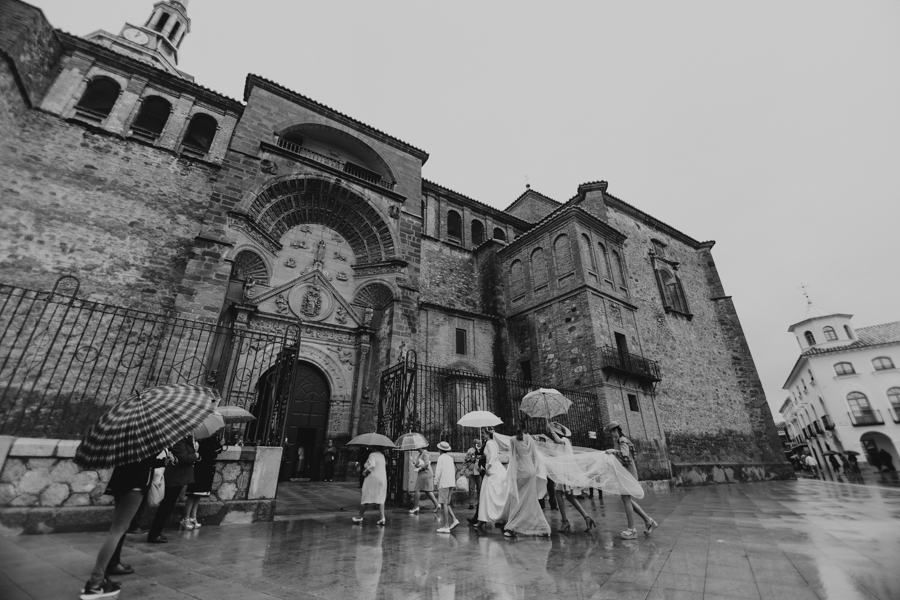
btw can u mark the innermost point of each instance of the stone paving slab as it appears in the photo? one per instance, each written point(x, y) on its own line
point(793, 540)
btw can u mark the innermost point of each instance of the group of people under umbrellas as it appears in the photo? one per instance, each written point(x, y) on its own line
point(171, 427)
point(510, 495)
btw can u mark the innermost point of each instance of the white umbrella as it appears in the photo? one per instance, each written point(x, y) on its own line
point(545, 402)
point(479, 418)
point(411, 441)
point(209, 426)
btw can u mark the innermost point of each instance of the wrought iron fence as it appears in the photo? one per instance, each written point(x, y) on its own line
point(65, 360)
point(430, 400)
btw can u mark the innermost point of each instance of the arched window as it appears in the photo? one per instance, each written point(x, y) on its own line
point(893, 395)
point(200, 132)
point(454, 225)
point(882, 363)
point(99, 98)
point(830, 335)
point(152, 117)
point(587, 254)
point(163, 19)
point(847, 331)
point(539, 267)
point(844, 368)
point(249, 265)
point(859, 403)
point(477, 232)
point(810, 338)
point(562, 251)
point(604, 261)
point(619, 268)
point(499, 234)
point(517, 279)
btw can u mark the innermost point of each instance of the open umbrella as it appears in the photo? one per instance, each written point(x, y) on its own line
point(235, 414)
point(479, 418)
point(830, 453)
point(411, 441)
point(144, 425)
point(209, 426)
point(371, 439)
point(545, 402)
point(851, 452)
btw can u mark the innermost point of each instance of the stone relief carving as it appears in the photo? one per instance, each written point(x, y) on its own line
point(282, 303)
point(341, 276)
point(401, 352)
point(367, 315)
point(394, 211)
point(249, 291)
point(340, 256)
point(242, 317)
point(291, 331)
point(341, 315)
point(311, 305)
point(616, 311)
point(345, 355)
point(268, 166)
point(300, 244)
point(325, 334)
point(254, 235)
point(335, 237)
point(290, 263)
point(305, 229)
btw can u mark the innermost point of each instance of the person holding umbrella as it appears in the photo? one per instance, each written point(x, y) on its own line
point(374, 487)
point(129, 436)
point(178, 474)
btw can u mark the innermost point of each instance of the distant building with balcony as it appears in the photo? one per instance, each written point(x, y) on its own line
point(844, 388)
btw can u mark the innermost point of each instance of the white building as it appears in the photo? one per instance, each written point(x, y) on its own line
point(845, 387)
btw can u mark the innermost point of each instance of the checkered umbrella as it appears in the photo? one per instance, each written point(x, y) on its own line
point(144, 425)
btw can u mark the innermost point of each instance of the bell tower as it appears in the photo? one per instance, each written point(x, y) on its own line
point(156, 42)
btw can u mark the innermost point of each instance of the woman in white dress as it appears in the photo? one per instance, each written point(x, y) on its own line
point(374, 488)
point(523, 514)
point(559, 433)
point(494, 486)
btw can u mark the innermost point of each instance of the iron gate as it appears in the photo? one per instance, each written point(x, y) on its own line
point(64, 361)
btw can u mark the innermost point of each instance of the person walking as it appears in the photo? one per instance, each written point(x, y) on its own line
point(329, 456)
point(835, 465)
point(625, 450)
point(473, 472)
point(445, 481)
point(522, 513)
point(559, 433)
point(204, 473)
point(810, 463)
point(178, 474)
point(374, 487)
point(128, 485)
point(495, 486)
point(424, 481)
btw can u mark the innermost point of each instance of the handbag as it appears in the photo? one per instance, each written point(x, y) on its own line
point(462, 484)
point(157, 487)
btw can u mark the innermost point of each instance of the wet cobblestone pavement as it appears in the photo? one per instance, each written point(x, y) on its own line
point(796, 539)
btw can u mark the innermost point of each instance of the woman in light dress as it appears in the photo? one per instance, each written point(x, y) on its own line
point(625, 448)
point(424, 481)
point(494, 486)
point(374, 488)
point(559, 434)
point(522, 513)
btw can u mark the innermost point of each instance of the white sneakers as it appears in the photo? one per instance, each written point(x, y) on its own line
point(443, 530)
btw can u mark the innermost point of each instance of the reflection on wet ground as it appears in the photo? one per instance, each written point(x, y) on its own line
point(796, 539)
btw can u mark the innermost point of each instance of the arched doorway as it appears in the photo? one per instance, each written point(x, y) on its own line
point(873, 443)
point(306, 423)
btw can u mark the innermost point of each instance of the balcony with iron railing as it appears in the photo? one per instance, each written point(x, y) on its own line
point(614, 360)
point(826, 421)
point(860, 418)
point(895, 414)
point(341, 165)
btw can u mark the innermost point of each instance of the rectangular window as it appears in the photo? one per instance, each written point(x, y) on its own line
point(633, 403)
point(526, 370)
point(461, 341)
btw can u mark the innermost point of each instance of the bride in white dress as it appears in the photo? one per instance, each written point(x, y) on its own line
point(495, 487)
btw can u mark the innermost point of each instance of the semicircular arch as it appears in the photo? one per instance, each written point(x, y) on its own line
point(286, 202)
point(377, 295)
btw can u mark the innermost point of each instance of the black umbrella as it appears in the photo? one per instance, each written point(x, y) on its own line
point(143, 425)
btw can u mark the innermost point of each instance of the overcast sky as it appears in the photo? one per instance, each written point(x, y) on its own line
point(770, 127)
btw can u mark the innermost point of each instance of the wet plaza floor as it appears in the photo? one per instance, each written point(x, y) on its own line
point(794, 539)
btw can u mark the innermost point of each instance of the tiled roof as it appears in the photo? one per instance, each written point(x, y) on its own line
point(491, 209)
point(876, 335)
point(336, 115)
point(532, 191)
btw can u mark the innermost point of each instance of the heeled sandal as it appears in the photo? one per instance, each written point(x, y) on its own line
point(565, 527)
point(380, 522)
point(185, 524)
point(414, 511)
point(649, 527)
point(509, 533)
point(590, 523)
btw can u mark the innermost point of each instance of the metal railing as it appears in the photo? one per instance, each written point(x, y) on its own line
point(865, 417)
point(340, 165)
point(826, 421)
point(65, 360)
point(630, 364)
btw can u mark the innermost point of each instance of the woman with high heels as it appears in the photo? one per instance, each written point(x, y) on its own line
point(424, 481)
point(374, 488)
point(178, 475)
point(204, 472)
point(559, 433)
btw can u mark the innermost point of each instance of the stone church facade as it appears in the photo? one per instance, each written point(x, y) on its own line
point(277, 212)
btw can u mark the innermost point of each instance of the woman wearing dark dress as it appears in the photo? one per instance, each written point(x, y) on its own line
point(128, 485)
point(178, 475)
point(204, 471)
